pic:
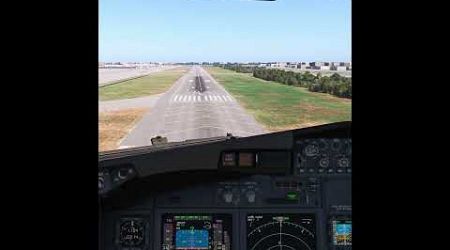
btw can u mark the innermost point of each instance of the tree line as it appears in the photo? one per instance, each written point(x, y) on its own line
point(239, 68)
point(335, 84)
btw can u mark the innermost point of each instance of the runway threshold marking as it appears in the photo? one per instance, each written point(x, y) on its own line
point(198, 98)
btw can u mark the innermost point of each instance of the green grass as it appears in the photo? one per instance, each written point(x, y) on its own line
point(279, 106)
point(152, 84)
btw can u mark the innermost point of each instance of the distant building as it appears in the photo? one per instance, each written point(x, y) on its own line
point(315, 65)
point(318, 64)
point(291, 65)
point(304, 65)
point(278, 65)
point(323, 67)
point(341, 68)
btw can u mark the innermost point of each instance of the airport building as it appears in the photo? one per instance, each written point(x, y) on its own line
point(341, 68)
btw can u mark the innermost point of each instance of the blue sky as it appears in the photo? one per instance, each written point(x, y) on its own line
point(224, 30)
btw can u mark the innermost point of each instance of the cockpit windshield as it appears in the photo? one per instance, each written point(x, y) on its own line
point(176, 70)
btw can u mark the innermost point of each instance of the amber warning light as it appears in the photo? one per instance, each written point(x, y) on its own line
point(246, 159)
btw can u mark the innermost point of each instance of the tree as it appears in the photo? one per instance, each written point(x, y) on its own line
point(292, 81)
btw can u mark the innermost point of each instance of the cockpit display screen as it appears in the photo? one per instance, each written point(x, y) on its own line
point(281, 231)
point(196, 231)
point(342, 232)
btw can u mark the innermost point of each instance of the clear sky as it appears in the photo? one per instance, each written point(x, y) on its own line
point(224, 30)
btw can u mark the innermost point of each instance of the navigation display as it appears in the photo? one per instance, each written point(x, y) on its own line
point(196, 231)
point(342, 232)
point(281, 231)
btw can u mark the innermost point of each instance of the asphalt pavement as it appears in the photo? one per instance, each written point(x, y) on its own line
point(196, 106)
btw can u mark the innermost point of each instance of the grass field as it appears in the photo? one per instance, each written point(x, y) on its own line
point(114, 125)
point(152, 84)
point(280, 107)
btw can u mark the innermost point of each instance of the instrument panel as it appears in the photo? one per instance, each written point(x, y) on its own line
point(303, 202)
point(324, 156)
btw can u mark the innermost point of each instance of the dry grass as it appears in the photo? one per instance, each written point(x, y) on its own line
point(114, 125)
point(152, 84)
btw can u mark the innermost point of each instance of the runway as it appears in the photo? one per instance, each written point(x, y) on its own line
point(196, 106)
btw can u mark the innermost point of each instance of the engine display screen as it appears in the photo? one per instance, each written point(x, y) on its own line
point(196, 231)
point(342, 232)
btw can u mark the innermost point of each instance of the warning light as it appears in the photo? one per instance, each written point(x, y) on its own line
point(229, 159)
point(292, 196)
point(246, 159)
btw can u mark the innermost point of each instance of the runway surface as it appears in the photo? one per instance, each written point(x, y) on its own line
point(196, 106)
